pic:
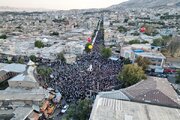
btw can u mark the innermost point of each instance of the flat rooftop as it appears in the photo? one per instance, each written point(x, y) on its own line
point(18, 68)
point(21, 94)
point(151, 55)
point(111, 109)
point(21, 113)
point(25, 77)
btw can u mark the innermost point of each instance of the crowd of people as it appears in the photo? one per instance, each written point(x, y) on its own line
point(76, 81)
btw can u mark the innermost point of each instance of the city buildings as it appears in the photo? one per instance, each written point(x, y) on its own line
point(22, 92)
point(152, 53)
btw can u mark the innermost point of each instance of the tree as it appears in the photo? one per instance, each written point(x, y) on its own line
point(21, 60)
point(131, 74)
point(131, 23)
point(142, 62)
point(150, 30)
point(87, 47)
point(79, 111)
point(61, 57)
point(174, 46)
point(54, 34)
point(136, 33)
point(178, 77)
point(127, 61)
point(3, 36)
point(44, 71)
point(122, 29)
point(38, 44)
point(106, 52)
point(144, 42)
point(134, 42)
point(157, 42)
point(33, 58)
point(162, 41)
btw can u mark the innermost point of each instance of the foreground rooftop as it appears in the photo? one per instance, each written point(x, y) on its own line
point(111, 109)
point(154, 90)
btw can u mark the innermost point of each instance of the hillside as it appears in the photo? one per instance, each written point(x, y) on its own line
point(147, 4)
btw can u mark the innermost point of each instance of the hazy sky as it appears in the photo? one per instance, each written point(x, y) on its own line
point(60, 4)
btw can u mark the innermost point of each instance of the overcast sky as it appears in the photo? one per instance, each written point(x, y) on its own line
point(60, 4)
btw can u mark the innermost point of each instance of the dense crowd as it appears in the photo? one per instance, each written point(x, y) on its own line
point(76, 81)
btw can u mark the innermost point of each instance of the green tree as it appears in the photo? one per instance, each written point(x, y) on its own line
point(122, 29)
point(87, 47)
point(144, 42)
point(33, 58)
point(38, 44)
point(127, 61)
point(157, 42)
point(44, 71)
point(54, 34)
point(106, 52)
point(134, 42)
point(162, 41)
point(142, 62)
point(136, 33)
point(21, 60)
point(178, 77)
point(3, 36)
point(150, 30)
point(9, 61)
point(131, 74)
point(79, 111)
point(173, 47)
point(61, 57)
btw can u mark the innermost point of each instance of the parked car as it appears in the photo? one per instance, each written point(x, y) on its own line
point(64, 109)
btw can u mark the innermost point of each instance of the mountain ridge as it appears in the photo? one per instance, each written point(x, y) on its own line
point(147, 4)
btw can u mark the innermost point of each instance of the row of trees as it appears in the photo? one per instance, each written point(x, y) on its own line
point(136, 41)
point(60, 56)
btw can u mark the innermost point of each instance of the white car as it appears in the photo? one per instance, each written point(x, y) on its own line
point(64, 109)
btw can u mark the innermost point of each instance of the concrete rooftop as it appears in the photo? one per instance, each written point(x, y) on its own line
point(111, 109)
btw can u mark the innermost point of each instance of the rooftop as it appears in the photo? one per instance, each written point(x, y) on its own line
point(18, 68)
point(21, 113)
point(25, 77)
point(151, 55)
point(21, 94)
point(153, 90)
point(111, 109)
